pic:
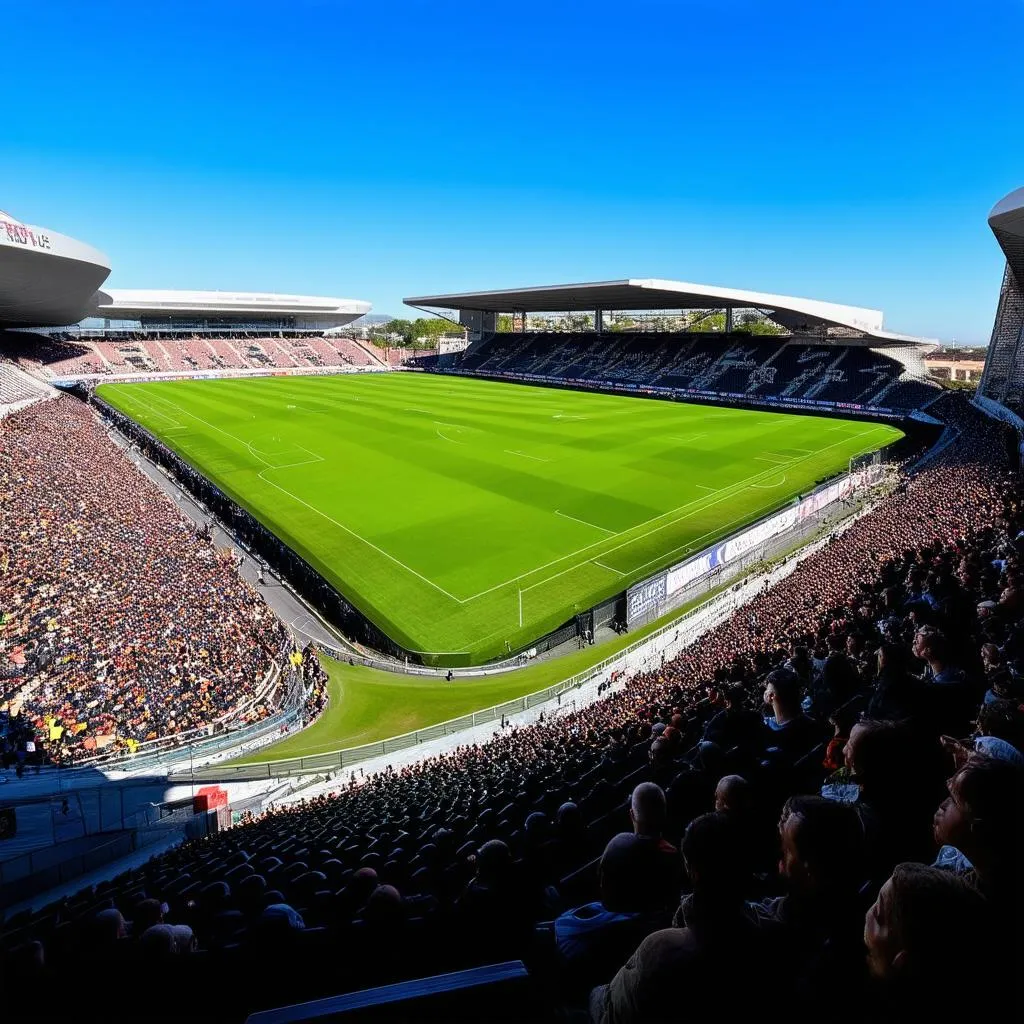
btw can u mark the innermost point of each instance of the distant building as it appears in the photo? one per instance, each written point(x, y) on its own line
point(447, 345)
point(956, 364)
point(48, 280)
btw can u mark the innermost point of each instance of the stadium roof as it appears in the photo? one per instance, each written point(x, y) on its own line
point(795, 314)
point(46, 279)
point(1007, 223)
point(128, 303)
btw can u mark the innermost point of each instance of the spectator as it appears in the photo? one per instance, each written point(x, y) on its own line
point(817, 921)
point(691, 971)
point(736, 726)
point(983, 818)
point(132, 628)
point(791, 733)
point(894, 797)
point(926, 947)
point(640, 870)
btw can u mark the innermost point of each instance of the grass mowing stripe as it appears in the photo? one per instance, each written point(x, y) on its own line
point(435, 537)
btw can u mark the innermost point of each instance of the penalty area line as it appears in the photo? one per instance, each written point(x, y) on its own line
point(352, 533)
point(583, 522)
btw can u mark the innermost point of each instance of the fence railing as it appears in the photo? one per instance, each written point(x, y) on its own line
point(171, 750)
point(694, 619)
point(340, 759)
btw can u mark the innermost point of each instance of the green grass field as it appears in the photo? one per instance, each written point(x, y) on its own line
point(367, 705)
point(465, 516)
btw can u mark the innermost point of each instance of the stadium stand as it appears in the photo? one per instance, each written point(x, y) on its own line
point(57, 357)
point(628, 852)
point(119, 624)
point(17, 388)
point(743, 365)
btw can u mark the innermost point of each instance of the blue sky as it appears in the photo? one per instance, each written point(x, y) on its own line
point(841, 149)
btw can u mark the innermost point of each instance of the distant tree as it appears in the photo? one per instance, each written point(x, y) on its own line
point(750, 323)
point(622, 323)
point(706, 322)
point(394, 332)
point(505, 322)
point(421, 333)
point(427, 330)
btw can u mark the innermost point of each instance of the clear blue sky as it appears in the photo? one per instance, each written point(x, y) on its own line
point(840, 149)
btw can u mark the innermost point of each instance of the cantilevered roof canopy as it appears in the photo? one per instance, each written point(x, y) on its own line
point(1007, 223)
point(796, 314)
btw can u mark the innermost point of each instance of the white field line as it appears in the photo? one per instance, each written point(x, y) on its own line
point(603, 566)
point(734, 487)
point(770, 487)
point(352, 533)
point(705, 487)
point(523, 455)
point(565, 515)
point(655, 529)
point(213, 426)
point(687, 439)
point(293, 465)
point(444, 437)
point(320, 512)
point(773, 461)
point(748, 481)
point(716, 531)
point(259, 453)
point(137, 401)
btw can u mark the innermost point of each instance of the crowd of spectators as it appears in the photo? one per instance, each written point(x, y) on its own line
point(55, 356)
point(741, 365)
point(118, 623)
point(814, 812)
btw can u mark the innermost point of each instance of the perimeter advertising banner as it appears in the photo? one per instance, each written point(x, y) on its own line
point(642, 597)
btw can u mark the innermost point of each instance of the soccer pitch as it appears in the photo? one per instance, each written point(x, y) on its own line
point(467, 517)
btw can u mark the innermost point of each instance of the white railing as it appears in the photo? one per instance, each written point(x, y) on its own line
point(643, 654)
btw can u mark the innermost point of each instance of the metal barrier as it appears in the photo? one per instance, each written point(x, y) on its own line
point(340, 759)
point(50, 866)
point(168, 750)
point(693, 621)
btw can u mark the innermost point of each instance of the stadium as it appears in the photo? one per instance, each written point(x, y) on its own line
point(532, 679)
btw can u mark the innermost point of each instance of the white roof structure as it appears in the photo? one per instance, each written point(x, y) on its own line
point(1007, 223)
point(46, 279)
point(133, 304)
point(795, 314)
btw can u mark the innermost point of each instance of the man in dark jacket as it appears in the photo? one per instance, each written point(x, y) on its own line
point(691, 972)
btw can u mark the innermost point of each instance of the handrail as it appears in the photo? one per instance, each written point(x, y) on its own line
point(340, 759)
point(197, 741)
point(351, 755)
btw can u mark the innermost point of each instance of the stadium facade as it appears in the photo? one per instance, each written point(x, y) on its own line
point(478, 311)
point(1002, 383)
point(163, 313)
point(48, 280)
